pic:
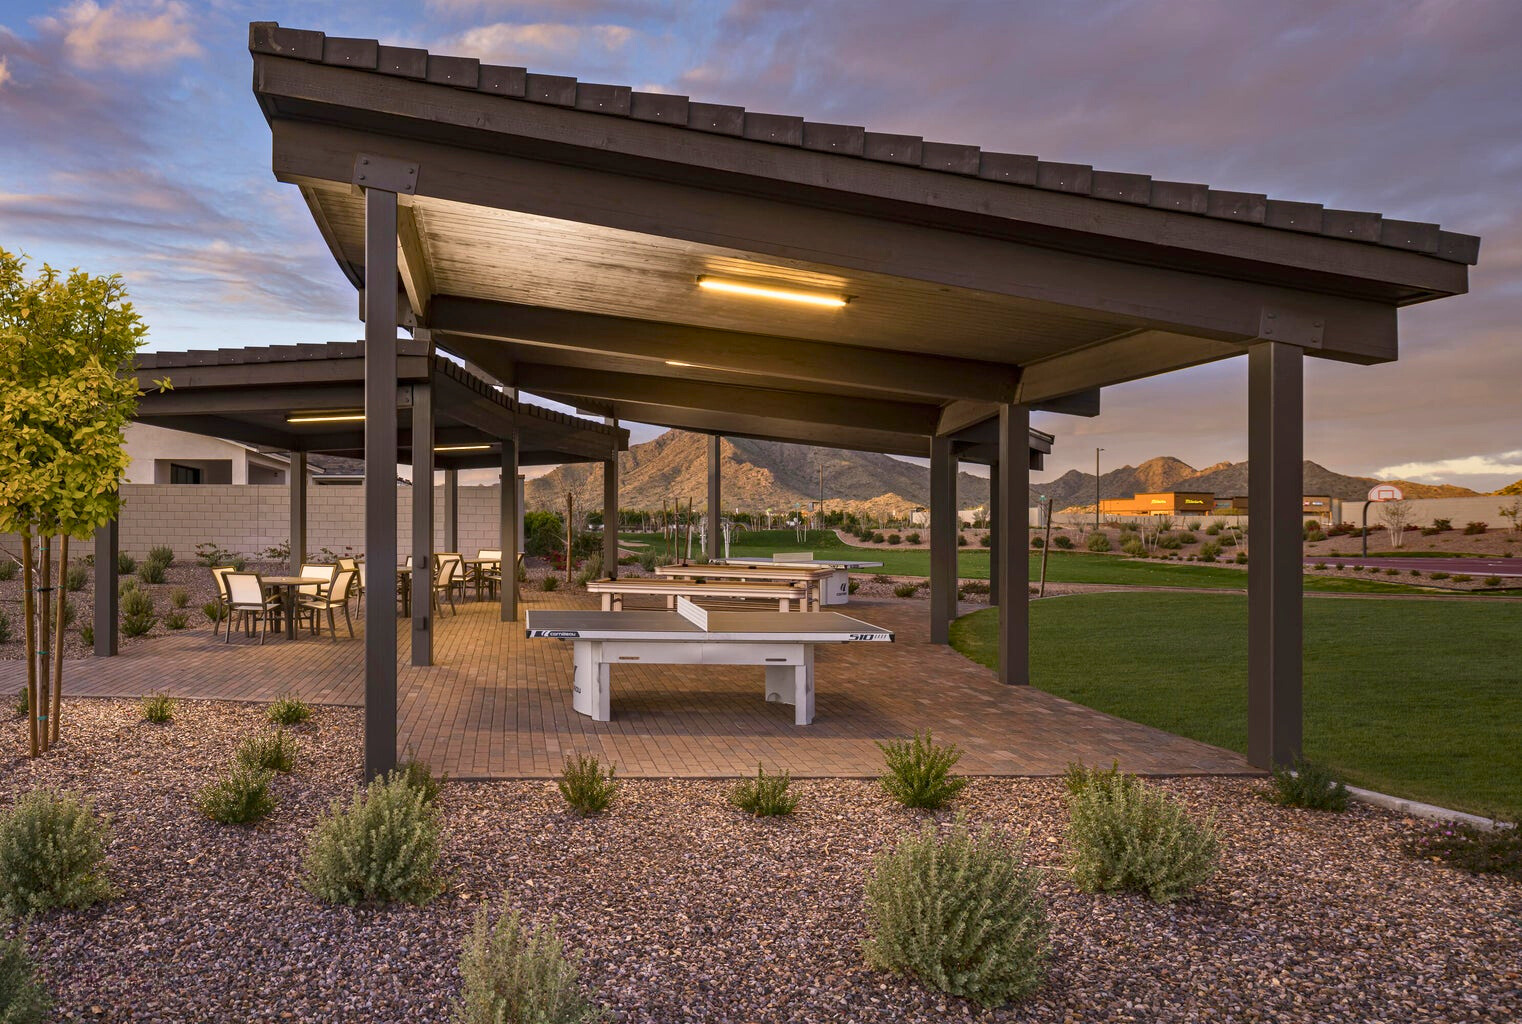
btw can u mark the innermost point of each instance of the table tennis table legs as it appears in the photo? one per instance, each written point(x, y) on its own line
point(794, 684)
point(790, 683)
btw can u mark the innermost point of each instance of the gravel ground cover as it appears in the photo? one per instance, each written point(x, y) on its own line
point(684, 909)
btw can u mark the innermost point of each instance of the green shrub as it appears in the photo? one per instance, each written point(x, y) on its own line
point(853, 586)
point(1126, 835)
point(591, 569)
point(1134, 547)
point(1392, 572)
point(137, 612)
point(1241, 558)
point(1440, 575)
point(1036, 542)
point(894, 538)
point(176, 620)
point(1314, 536)
point(919, 771)
point(21, 703)
point(1080, 778)
point(975, 587)
point(1471, 848)
point(151, 572)
point(420, 777)
point(877, 538)
point(549, 582)
point(1307, 784)
point(5, 628)
point(158, 708)
point(913, 538)
point(1193, 524)
point(905, 589)
point(382, 847)
point(1461, 577)
point(1322, 565)
point(1337, 566)
point(513, 975)
point(1475, 528)
point(1492, 581)
point(586, 785)
point(126, 565)
point(288, 711)
point(209, 554)
point(1099, 542)
point(1227, 541)
point(162, 555)
point(1062, 541)
point(986, 539)
point(267, 752)
point(959, 912)
point(1214, 529)
point(179, 597)
point(1416, 572)
point(1188, 538)
point(7, 568)
point(75, 578)
point(23, 1000)
point(52, 854)
point(241, 797)
point(961, 540)
point(1209, 551)
point(216, 611)
point(1172, 541)
point(87, 635)
point(764, 796)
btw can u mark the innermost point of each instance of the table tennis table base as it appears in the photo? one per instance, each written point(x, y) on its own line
point(789, 669)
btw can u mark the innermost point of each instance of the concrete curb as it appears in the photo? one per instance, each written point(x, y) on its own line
point(1417, 809)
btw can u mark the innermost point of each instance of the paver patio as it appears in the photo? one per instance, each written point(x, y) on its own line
point(497, 705)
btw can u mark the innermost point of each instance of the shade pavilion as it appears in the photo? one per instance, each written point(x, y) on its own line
point(564, 237)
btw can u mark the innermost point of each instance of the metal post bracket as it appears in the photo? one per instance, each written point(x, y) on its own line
point(382, 172)
point(1291, 326)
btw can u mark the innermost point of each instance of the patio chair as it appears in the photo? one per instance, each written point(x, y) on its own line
point(491, 575)
point(337, 596)
point(218, 576)
point(319, 590)
point(445, 576)
point(359, 583)
point(245, 597)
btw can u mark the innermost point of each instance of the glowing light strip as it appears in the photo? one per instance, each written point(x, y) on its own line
point(762, 292)
point(327, 417)
point(462, 447)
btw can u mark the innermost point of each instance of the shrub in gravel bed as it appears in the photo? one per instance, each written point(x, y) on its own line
point(764, 796)
point(176, 620)
point(1099, 542)
point(1311, 785)
point(76, 577)
point(5, 628)
point(421, 777)
point(87, 635)
point(1127, 835)
point(241, 797)
point(158, 708)
point(21, 703)
point(959, 912)
point(23, 1000)
point(214, 610)
point(163, 554)
point(381, 848)
point(905, 589)
point(52, 854)
point(1469, 848)
point(137, 612)
point(179, 597)
point(7, 568)
point(586, 785)
point(288, 711)
point(549, 583)
point(126, 565)
point(514, 975)
point(267, 752)
point(919, 772)
point(151, 572)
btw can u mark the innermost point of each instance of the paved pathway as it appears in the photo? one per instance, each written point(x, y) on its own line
point(497, 705)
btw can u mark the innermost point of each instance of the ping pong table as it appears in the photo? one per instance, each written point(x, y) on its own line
point(782, 642)
point(835, 590)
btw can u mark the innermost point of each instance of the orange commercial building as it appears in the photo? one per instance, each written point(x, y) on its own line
point(1201, 503)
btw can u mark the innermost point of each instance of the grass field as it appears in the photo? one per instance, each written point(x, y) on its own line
point(1421, 699)
point(1063, 566)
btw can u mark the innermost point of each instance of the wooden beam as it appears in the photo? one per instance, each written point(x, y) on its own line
point(766, 356)
point(958, 416)
point(1124, 358)
point(412, 262)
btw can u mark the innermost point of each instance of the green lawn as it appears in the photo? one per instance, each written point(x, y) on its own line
point(1063, 566)
point(1422, 699)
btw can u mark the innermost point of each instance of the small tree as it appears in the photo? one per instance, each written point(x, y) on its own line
point(1397, 517)
point(1514, 513)
point(64, 341)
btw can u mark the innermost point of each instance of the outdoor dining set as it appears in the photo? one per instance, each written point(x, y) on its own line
point(281, 604)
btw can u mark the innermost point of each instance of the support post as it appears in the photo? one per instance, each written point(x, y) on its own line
point(106, 619)
point(422, 524)
point(380, 481)
point(994, 539)
point(713, 541)
point(610, 516)
point(1275, 450)
point(298, 488)
point(1011, 565)
point(451, 510)
point(509, 520)
point(943, 539)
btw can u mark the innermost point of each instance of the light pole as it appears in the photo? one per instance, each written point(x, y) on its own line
point(1096, 488)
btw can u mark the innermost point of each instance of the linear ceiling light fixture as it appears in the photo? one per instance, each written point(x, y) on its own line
point(325, 417)
point(462, 447)
point(767, 292)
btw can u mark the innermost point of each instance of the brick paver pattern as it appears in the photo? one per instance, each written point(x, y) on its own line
point(498, 705)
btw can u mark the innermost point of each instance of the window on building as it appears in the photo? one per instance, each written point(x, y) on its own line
point(184, 474)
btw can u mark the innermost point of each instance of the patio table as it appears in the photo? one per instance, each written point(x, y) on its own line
point(287, 586)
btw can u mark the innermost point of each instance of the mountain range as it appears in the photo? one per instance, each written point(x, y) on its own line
point(760, 475)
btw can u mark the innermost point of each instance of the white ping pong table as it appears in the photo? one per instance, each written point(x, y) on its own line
point(834, 590)
point(782, 642)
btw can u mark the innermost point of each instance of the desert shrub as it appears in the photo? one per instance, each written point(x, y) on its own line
point(137, 612)
point(75, 578)
point(162, 554)
point(976, 587)
point(158, 708)
point(176, 620)
point(7, 568)
point(209, 554)
point(279, 552)
point(1080, 778)
point(1213, 529)
point(1461, 577)
point(1133, 547)
point(1440, 575)
point(21, 702)
point(1392, 572)
point(1062, 541)
point(1127, 527)
point(288, 711)
point(959, 912)
point(629, 560)
point(1308, 784)
point(1210, 551)
point(549, 583)
point(853, 586)
point(586, 785)
point(1126, 835)
point(1241, 558)
point(382, 847)
point(1099, 542)
point(513, 975)
point(877, 538)
point(1227, 541)
point(1314, 536)
point(151, 572)
point(764, 796)
point(913, 538)
point(962, 541)
point(5, 628)
point(1193, 524)
point(1471, 848)
point(420, 777)
point(1319, 565)
point(543, 532)
point(1442, 524)
point(179, 597)
point(52, 854)
point(905, 589)
point(214, 610)
point(1430, 531)
point(1171, 541)
point(87, 635)
point(1416, 572)
point(267, 752)
point(919, 771)
point(126, 565)
point(1036, 542)
point(23, 1000)
point(894, 538)
point(1338, 565)
point(241, 797)
point(1492, 581)
point(1474, 528)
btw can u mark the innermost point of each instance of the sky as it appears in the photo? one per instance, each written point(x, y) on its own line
point(133, 145)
